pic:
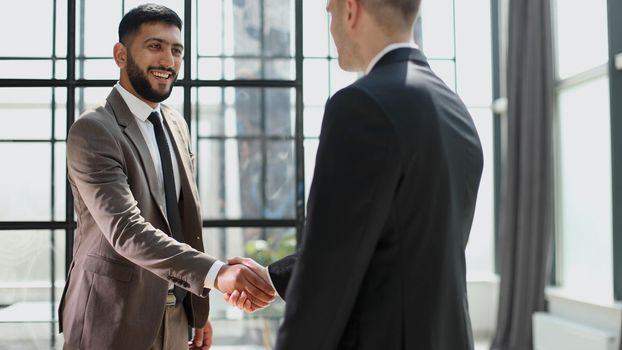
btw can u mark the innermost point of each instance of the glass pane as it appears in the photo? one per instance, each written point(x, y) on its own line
point(318, 86)
point(210, 69)
point(584, 190)
point(26, 69)
point(210, 27)
point(29, 257)
point(315, 29)
point(60, 180)
point(20, 39)
point(474, 66)
point(258, 30)
point(339, 78)
point(265, 245)
point(256, 35)
point(574, 20)
point(480, 249)
point(25, 190)
point(316, 82)
point(445, 70)
point(245, 111)
point(437, 28)
point(61, 28)
point(313, 117)
point(89, 97)
point(25, 113)
point(280, 181)
point(101, 23)
point(61, 69)
point(310, 153)
point(252, 68)
point(278, 28)
point(176, 99)
point(246, 179)
point(60, 127)
point(97, 69)
point(280, 112)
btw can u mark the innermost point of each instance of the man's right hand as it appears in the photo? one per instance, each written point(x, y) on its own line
point(240, 299)
point(242, 279)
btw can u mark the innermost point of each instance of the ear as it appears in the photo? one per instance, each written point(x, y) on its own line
point(119, 53)
point(353, 13)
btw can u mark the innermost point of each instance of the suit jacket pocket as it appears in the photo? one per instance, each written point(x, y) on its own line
point(108, 267)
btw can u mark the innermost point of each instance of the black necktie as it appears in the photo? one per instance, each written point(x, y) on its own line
point(170, 193)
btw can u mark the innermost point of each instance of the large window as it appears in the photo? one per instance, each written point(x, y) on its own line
point(583, 152)
point(255, 79)
point(239, 90)
point(454, 38)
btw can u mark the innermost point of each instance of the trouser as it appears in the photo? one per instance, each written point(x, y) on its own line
point(173, 333)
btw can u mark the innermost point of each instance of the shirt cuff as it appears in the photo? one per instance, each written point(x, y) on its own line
point(270, 280)
point(210, 279)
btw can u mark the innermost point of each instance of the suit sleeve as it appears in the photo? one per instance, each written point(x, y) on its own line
point(280, 273)
point(96, 168)
point(356, 175)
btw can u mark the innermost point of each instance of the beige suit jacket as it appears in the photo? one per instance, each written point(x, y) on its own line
point(123, 255)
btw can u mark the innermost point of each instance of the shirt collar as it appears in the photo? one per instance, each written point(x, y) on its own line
point(386, 50)
point(139, 108)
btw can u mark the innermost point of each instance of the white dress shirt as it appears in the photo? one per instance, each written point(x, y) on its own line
point(386, 50)
point(141, 112)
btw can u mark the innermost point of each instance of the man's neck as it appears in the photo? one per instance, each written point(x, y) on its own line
point(377, 41)
point(128, 86)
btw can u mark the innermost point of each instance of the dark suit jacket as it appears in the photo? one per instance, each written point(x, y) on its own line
point(381, 263)
point(123, 255)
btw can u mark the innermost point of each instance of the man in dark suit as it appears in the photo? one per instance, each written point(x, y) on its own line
point(139, 276)
point(381, 263)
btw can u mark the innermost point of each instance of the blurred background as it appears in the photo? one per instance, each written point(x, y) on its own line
point(255, 79)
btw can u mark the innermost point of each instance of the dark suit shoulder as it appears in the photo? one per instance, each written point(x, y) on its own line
point(356, 112)
point(355, 100)
point(401, 78)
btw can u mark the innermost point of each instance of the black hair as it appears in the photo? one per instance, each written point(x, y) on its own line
point(147, 13)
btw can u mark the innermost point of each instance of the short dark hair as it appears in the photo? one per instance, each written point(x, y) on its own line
point(386, 11)
point(147, 13)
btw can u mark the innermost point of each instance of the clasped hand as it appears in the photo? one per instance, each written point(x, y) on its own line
point(245, 284)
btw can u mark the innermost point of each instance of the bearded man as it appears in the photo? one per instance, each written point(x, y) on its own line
point(139, 277)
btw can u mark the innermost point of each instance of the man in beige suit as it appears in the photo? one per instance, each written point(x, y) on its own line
point(139, 276)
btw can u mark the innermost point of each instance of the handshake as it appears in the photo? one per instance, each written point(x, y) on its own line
point(245, 284)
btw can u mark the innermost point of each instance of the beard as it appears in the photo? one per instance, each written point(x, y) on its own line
point(140, 81)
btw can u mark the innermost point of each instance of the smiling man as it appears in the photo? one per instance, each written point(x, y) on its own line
point(139, 276)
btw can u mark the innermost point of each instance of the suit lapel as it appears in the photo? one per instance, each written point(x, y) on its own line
point(126, 119)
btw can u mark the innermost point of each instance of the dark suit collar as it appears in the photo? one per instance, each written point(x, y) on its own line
point(401, 55)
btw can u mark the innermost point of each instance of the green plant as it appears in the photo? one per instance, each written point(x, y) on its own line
point(274, 248)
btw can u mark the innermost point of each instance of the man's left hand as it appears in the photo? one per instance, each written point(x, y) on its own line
point(202, 337)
